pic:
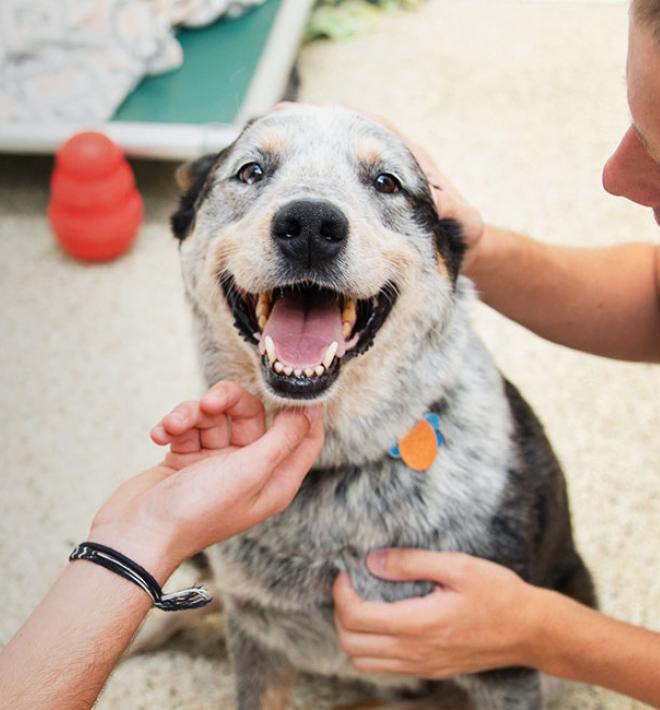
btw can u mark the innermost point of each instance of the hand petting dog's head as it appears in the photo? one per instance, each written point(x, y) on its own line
point(309, 241)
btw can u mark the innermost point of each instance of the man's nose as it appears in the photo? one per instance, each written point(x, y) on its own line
point(632, 173)
point(310, 232)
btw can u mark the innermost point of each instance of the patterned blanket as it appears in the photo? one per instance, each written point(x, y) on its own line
point(76, 60)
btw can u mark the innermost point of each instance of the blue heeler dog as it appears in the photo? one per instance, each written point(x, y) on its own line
point(317, 269)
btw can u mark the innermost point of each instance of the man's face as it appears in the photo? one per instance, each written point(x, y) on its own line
point(633, 171)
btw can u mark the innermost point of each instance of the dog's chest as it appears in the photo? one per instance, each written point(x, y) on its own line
point(290, 561)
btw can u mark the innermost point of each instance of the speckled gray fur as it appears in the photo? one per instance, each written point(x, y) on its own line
point(495, 489)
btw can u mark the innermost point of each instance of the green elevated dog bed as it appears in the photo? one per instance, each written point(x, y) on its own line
point(233, 69)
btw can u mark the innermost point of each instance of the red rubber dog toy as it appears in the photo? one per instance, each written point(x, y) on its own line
point(95, 209)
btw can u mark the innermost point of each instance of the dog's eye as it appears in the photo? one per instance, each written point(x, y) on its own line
point(387, 183)
point(250, 173)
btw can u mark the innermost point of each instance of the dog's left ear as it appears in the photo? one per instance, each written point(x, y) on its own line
point(450, 243)
point(192, 179)
point(447, 234)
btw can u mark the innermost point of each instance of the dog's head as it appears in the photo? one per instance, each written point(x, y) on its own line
point(311, 247)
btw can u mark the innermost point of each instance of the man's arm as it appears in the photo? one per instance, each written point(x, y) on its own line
point(604, 301)
point(62, 656)
point(580, 644)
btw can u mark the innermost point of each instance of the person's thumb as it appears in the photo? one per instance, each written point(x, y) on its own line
point(448, 569)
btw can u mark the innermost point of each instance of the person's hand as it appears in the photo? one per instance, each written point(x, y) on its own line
point(224, 473)
point(449, 202)
point(480, 616)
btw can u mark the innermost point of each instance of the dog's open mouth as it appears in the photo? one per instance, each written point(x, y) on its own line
point(304, 332)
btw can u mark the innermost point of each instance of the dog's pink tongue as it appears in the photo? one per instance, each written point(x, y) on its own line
point(302, 331)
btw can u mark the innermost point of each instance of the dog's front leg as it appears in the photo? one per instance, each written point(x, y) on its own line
point(264, 678)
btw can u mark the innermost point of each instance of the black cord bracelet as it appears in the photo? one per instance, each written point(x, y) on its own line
point(126, 568)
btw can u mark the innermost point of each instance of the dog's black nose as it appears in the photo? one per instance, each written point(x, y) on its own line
point(310, 232)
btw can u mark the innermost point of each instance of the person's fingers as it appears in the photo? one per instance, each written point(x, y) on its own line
point(180, 428)
point(450, 569)
point(407, 617)
point(384, 665)
point(248, 420)
point(263, 456)
point(371, 645)
point(281, 486)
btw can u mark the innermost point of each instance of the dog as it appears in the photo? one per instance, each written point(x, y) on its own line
point(317, 270)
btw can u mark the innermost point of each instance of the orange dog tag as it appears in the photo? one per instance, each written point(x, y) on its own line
point(418, 448)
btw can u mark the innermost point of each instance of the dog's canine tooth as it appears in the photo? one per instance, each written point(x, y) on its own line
point(346, 328)
point(330, 354)
point(263, 307)
point(288, 370)
point(319, 370)
point(297, 372)
point(349, 312)
point(270, 349)
point(309, 371)
point(278, 367)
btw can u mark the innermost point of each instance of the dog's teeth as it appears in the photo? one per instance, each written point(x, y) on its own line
point(330, 354)
point(346, 328)
point(278, 367)
point(309, 371)
point(270, 349)
point(349, 313)
point(319, 370)
point(297, 372)
point(263, 309)
point(288, 370)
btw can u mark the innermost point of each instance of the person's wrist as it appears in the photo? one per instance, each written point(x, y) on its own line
point(145, 541)
point(544, 611)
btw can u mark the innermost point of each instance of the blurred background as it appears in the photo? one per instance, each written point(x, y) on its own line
point(519, 101)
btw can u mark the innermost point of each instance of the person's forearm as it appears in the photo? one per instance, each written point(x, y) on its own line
point(62, 656)
point(603, 301)
point(574, 642)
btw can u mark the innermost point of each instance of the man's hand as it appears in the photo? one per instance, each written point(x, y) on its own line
point(225, 472)
point(480, 616)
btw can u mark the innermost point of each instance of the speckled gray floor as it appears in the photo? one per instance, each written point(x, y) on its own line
point(520, 103)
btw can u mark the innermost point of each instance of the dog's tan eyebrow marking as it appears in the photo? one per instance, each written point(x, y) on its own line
point(273, 142)
point(369, 151)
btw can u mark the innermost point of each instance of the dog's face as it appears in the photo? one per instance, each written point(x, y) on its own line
point(309, 241)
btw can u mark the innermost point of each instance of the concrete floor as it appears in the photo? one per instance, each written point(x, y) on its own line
point(521, 103)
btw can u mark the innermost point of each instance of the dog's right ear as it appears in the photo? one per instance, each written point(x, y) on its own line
point(193, 180)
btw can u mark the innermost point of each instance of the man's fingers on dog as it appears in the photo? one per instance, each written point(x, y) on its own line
point(383, 665)
point(181, 418)
point(285, 481)
point(248, 421)
point(395, 618)
point(357, 644)
point(159, 435)
point(270, 450)
point(400, 564)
